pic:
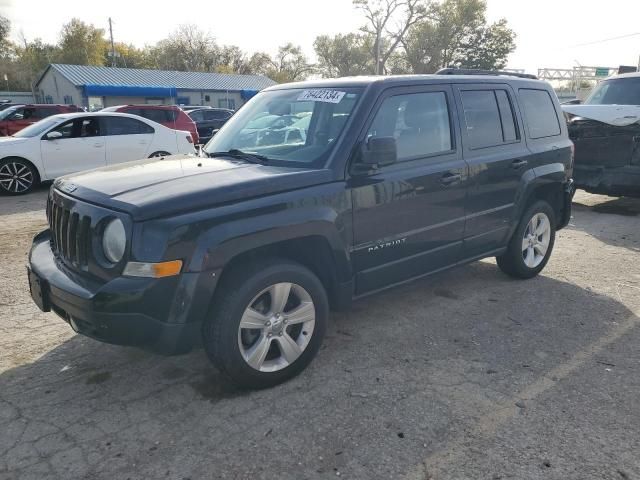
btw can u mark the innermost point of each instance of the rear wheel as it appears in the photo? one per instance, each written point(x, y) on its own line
point(267, 323)
point(532, 243)
point(17, 176)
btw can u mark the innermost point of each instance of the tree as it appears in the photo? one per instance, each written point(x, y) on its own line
point(380, 14)
point(290, 64)
point(187, 49)
point(455, 33)
point(489, 48)
point(82, 44)
point(344, 55)
point(5, 30)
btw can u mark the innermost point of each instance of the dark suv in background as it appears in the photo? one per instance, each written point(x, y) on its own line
point(245, 251)
point(208, 120)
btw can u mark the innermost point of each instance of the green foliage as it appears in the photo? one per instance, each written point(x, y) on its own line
point(81, 44)
point(417, 36)
point(344, 55)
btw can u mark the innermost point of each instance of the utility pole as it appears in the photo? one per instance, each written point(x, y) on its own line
point(113, 49)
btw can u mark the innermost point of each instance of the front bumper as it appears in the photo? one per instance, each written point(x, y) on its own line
point(164, 315)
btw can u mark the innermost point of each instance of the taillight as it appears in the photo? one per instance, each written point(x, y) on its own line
point(189, 139)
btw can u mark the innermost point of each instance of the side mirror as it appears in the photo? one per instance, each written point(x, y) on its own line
point(379, 151)
point(53, 135)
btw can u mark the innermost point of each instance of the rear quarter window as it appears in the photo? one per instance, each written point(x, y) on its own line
point(540, 113)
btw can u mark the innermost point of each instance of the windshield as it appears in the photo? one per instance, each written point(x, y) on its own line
point(288, 127)
point(37, 128)
point(621, 91)
point(6, 112)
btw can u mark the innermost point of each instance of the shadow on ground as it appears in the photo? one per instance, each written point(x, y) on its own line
point(398, 377)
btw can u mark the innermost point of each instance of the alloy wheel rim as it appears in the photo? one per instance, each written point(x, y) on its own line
point(535, 242)
point(276, 327)
point(15, 177)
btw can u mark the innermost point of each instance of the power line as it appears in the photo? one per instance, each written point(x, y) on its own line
point(604, 40)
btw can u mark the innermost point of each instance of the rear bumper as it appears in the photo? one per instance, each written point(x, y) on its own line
point(620, 181)
point(162, 315)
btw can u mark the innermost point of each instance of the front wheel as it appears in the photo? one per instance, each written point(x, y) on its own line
point(17, 176)
point(159, 154)
point(532, 243)
point(267, 323)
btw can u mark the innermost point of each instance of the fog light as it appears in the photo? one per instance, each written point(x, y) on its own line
point(153, 270)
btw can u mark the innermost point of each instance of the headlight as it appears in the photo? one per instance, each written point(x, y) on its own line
point(114, 241)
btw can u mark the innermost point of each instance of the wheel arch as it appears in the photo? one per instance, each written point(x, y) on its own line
point(313, 251)
point(37, 168)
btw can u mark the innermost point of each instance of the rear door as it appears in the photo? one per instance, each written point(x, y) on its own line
point(81, 147)
point(409, 217)
point(126, 138)
point(497, 155)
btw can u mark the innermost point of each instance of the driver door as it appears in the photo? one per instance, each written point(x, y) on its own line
point(80, 146)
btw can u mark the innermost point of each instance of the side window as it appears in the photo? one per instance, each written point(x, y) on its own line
point(419, 122)
point(18, 114)
point(66, 129)
point(44, 112)
point(540, 112)
point(125, 126)
point(509, 129)
point(89, 127)
point(488, 117)
point(196, 116)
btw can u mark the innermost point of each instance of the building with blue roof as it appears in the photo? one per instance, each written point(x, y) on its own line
point(98, 87)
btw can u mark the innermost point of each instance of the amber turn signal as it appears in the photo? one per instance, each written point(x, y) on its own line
point(153, 270)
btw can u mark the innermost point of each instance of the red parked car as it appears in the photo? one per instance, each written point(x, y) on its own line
point(170, 116)
point(17, 117)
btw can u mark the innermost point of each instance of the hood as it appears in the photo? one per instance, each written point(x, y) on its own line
point(616, 115)
point(158, 187)
point(11, 141)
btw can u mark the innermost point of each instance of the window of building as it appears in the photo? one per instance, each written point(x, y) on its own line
point(542, 119)
point(48, 99)
point(419, 122)
point(68, 100)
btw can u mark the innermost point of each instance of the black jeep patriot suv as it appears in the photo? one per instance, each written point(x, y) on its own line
point(371, 182)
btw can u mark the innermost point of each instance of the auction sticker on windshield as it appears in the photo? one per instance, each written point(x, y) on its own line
point(321, 95)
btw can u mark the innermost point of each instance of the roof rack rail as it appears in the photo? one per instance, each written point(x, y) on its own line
point(469, 71)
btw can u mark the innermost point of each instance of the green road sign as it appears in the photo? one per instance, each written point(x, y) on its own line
point(602, 72)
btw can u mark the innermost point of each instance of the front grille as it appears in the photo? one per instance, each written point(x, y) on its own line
point(70, 234)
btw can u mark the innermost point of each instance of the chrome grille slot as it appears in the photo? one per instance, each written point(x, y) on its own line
point(70, 234)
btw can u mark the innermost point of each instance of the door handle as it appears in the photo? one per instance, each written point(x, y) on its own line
point(450, 179)
point(518, 164)
point(98, 145)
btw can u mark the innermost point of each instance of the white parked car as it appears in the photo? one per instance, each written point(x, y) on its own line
point(71, 142)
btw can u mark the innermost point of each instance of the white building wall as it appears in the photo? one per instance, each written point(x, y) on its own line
point(57, 87)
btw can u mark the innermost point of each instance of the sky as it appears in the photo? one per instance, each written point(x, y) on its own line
point(550, 33)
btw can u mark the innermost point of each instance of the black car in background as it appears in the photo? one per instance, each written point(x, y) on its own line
point(209, 119)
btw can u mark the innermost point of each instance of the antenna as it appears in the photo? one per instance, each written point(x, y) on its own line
point(113, 49)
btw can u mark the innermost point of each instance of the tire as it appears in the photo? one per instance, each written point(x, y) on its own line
point(159, 154)
point(236, 351)
point(17, 176)
point(526, 256)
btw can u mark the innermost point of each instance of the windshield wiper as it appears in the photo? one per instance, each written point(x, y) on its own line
point(235, 153)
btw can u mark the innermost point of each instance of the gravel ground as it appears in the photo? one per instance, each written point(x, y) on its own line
point(465, 375)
